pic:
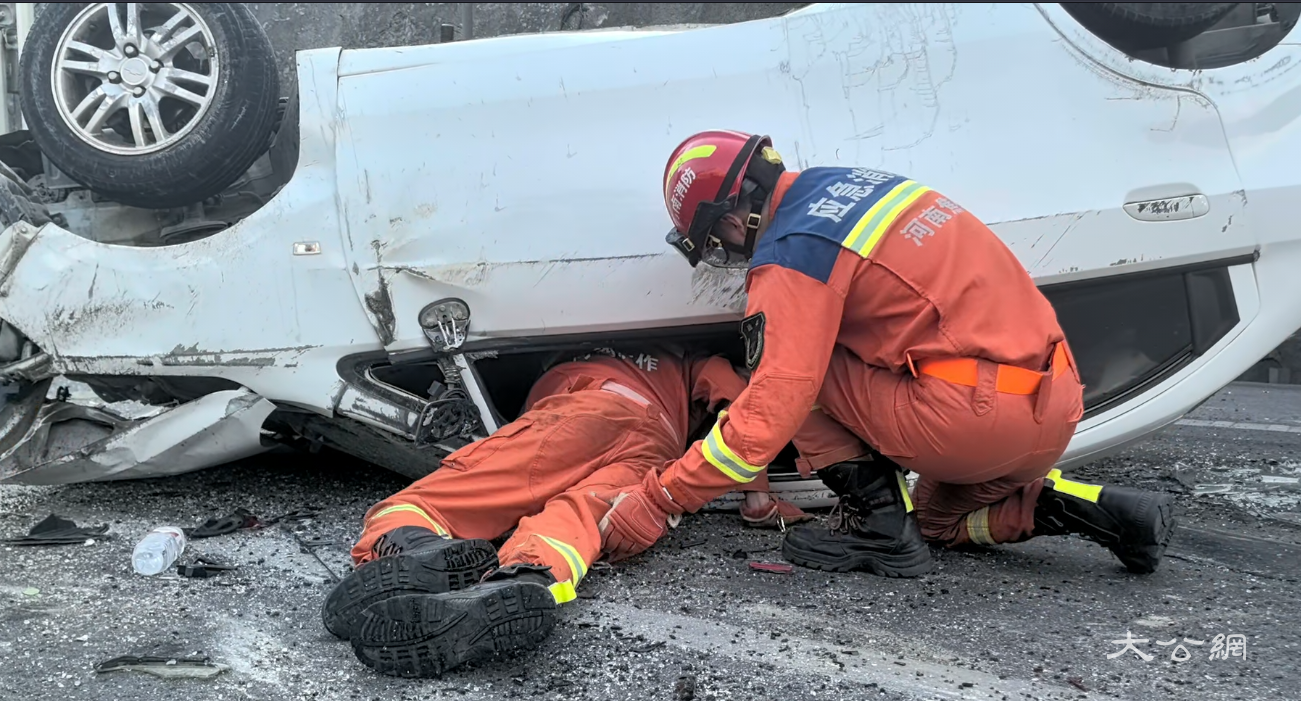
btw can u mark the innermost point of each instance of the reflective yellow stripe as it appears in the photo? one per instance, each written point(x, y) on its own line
point(415, 510)
point(722, 457)
point(978, 527)
point(690, 155)
point(563, 592)
point(882, 214)
point(1079, 490)
point(903, 487)
point(577, 568)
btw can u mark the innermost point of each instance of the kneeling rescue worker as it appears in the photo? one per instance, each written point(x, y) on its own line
point(430, 592)
point(904, 318)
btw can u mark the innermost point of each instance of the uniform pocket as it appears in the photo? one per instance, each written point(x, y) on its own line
point(478, 451)
point(891, 413)
point(1075, 369)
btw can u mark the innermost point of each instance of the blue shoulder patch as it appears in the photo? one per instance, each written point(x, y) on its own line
point(839, 203)
point(816, 216)
point(810, 254)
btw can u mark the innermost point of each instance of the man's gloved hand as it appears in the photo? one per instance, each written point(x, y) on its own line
point(637, 518)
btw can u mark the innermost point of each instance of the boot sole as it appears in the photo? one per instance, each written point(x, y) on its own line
point(905, 565)
point(1144, 559)
point(427, 635)
point(453, 567)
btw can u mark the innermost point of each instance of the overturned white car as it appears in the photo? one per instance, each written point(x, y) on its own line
point(382, 262)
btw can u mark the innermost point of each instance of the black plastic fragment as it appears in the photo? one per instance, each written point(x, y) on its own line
point(54, 530)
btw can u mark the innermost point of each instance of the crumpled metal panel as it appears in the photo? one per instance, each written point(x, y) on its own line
point(70, 443)
point(240, 305)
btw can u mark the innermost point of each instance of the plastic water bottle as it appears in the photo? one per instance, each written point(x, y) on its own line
point(158, 550)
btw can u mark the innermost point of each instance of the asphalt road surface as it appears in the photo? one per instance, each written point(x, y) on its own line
point(691, 620)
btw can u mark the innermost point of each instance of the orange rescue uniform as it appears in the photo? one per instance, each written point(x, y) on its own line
point(590, 429)
point(908, 321)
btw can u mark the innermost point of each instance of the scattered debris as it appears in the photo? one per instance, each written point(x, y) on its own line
point(1279, 479)
point(54, 530)
point(309, 549)
point(685, 689)
point(294, 516)
point(693, 543)
point(31, 591)
point(1156, 621)
point(241, 519)
point(648, 648)
point(203, 567)
point(775, 567)
point(165, 667)
point(1077, 682)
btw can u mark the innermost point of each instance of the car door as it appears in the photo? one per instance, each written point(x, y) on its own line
point(522, 174)
point(1117, 194)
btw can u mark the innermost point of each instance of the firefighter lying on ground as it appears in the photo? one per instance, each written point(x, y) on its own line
point(910, 323)
point(430, 592)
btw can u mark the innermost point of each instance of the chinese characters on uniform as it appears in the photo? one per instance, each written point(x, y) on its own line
point(828, 208)
point(863, 175)
point(844, 195)
point(931, 218)
point(850, 190)
point(644, 361)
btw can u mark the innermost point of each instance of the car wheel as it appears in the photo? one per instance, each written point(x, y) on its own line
point(154, 105)
point(1138, 26)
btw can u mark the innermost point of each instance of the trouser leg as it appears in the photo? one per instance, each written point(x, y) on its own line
point(475, 494)
point(513, 608)
point(998, 511)
point(432, 537)
point(823, 441)
point(565, 536)
point(484, 489)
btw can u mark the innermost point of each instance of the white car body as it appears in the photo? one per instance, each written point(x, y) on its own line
point(522, 175)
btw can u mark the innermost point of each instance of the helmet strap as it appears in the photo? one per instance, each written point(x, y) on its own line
point(760, 182)
point(752, 224)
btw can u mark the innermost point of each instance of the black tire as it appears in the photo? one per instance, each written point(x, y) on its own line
point(1137, 26)
point(234, 132)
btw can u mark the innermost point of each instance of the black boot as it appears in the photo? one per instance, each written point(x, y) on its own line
point(1134, 524)
point(873, 527)
point(424, 635)
point(411, 560)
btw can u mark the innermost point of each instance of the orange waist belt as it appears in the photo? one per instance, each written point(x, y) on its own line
point(1011, 379)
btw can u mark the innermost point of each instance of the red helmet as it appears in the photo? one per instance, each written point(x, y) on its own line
point(706, 177)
